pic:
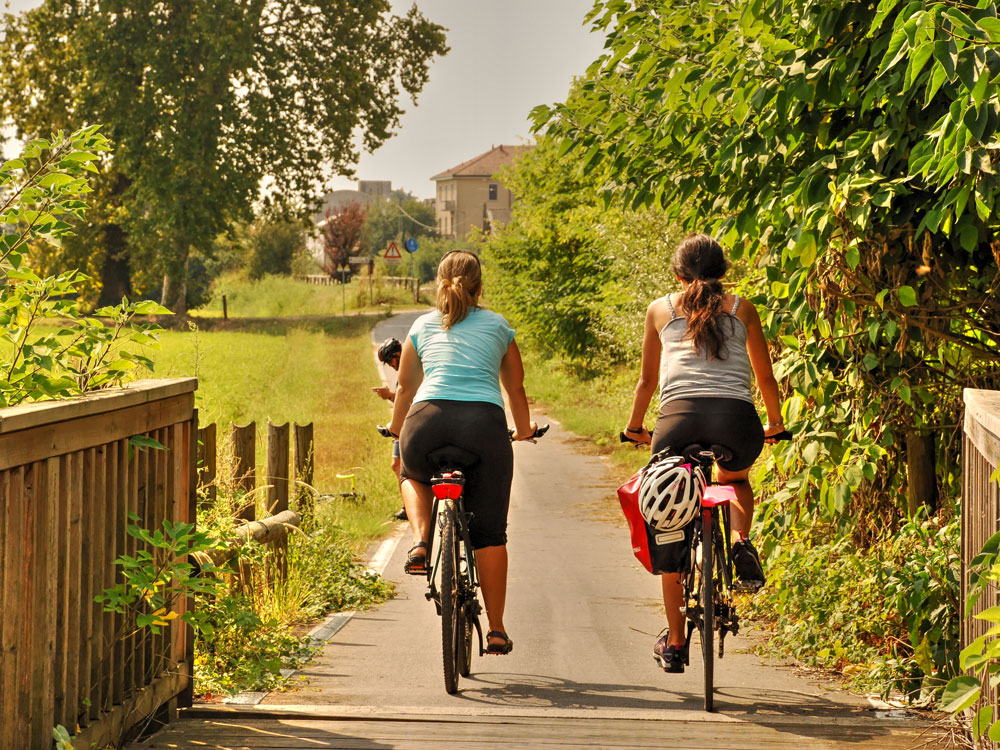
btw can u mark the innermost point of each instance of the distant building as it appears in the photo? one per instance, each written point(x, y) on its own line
point(336, 200)
point(376, 188)
point(470, 196)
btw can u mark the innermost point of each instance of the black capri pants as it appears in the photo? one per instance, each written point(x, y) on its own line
point(479, 428)
point(730, 422)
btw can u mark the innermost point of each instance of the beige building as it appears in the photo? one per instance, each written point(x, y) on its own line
point(470, 196)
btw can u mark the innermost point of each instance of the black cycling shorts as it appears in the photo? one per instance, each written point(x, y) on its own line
point(730, 422)
point(479, 428)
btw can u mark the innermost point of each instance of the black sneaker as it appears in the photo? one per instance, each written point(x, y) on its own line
point(746, 564)
point(400, 515)
point(669, 656)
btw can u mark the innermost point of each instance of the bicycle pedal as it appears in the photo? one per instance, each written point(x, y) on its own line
point(747, 587)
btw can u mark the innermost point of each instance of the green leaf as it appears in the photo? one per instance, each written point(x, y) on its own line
point(981, 722)
point(907, 297)
point(143, 441)
point(960, 693)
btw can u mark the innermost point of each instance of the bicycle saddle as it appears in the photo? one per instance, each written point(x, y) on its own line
point(697, 453)
point(451, 457)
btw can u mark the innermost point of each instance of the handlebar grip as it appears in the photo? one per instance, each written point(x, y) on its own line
point(539, 431)
point(786, 435)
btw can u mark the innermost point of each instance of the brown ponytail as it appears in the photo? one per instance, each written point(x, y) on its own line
point(459, 279)
point(700, 261)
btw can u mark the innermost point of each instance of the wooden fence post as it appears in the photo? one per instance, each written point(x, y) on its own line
point(304, 463)
point(277, 468)
point(245, 456)
point(276, 494)
point(206, 462)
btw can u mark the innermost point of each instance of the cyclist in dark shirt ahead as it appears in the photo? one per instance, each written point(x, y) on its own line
point(452, 365)
point(705, 343)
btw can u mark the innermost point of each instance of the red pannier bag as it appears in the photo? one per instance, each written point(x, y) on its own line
point(628, 496)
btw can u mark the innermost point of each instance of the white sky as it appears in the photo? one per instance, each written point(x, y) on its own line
point(506, 57)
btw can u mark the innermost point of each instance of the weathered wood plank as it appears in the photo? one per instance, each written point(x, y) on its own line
point(26, 601)
point(113, 725)
point(135, 481)
point(61, 581)
point(19, 448)
point(15, 515)
point(97, 512)
point(87, 555)
point(74, 608)
point(29, 416)
point(189, 496)
point(111, 524)
point(514, 731)
point(45, 497)
point(118, 686)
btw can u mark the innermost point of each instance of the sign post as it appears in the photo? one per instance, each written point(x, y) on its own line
point(411, 247)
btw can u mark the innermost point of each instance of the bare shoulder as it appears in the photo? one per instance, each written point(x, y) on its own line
point(658, 312)
point(746, 312)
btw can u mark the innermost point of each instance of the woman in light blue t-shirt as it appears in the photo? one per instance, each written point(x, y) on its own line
point(453, 363)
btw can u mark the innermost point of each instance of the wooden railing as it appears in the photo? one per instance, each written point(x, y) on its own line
point(980, 499)
point(69, 478)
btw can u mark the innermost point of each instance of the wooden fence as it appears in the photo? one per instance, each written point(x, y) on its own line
point(980, 500)
point(69, 477)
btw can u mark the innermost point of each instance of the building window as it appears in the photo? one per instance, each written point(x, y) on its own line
point(493, 191)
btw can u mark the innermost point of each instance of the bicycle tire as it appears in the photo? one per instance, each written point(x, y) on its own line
point(465, 644)
point(450, 605)
point(708, 606)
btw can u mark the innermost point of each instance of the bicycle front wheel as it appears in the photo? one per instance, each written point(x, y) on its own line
point(708, 607)
point(451, 636)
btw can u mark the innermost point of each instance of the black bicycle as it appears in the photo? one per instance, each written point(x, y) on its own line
point(709, 586)
point(453, 579)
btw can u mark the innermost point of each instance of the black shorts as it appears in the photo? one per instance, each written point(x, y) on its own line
point(479, 428)
point(730, 422)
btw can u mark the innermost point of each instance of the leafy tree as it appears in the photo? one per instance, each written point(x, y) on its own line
point(40, 199)
point(205, 101)
point(403, 215)
point(847, 148)
point(573, 274)
point(342, 235)
point(273, 246)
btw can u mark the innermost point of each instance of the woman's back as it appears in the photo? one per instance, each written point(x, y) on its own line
point(688, 372)
point(462, 362)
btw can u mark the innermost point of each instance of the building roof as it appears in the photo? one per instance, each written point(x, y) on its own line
point(484, 165)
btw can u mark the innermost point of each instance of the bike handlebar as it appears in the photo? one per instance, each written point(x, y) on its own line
point(781, 436)
point(539, 431)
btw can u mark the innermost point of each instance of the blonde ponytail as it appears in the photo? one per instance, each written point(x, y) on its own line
point(459, 279)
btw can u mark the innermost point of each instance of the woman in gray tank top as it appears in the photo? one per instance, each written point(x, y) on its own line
point(705, 343)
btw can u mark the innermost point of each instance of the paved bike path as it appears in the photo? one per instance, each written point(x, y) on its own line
point(583, 616)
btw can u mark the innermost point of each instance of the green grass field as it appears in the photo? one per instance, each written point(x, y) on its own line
point(299, 373)
point(283, 296)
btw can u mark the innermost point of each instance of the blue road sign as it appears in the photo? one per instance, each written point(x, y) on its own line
point(411, 245)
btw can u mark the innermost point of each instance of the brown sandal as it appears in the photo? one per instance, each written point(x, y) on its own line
point(499, 649)
point(416, 564)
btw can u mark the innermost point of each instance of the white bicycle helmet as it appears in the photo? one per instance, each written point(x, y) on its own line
point(670, 493)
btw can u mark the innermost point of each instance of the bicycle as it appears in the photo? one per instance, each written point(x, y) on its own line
point(708, 577)
point(453, 580)
point(709, 589)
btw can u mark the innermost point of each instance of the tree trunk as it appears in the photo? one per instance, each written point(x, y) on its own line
point(175, 280)
point(921, 479)
point(116, 273)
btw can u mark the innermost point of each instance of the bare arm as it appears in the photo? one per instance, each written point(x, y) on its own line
point(411, 375)
point(646, 386)
point(760, 361)
point(512, 379)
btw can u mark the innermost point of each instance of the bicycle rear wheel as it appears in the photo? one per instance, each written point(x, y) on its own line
point(708, 606)
point(450, 606)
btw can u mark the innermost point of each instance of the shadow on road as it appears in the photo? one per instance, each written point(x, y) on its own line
point(800, 714)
